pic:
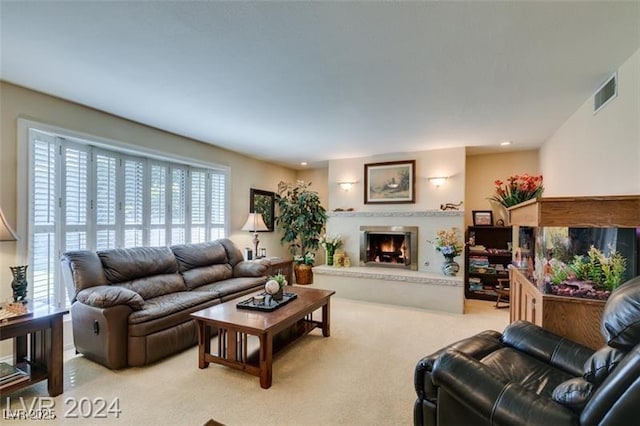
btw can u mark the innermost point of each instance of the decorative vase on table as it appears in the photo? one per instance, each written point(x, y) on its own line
point(450, 267)
point(19, 283)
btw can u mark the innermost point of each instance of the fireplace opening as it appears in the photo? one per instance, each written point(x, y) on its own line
point(390, 246)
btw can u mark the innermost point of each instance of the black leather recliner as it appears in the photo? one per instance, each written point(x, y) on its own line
point(530, 376)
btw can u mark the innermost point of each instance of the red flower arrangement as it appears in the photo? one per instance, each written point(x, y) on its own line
point(517, 189)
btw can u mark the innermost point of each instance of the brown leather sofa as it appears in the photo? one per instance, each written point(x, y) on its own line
point(130, 307)
point(530, 376)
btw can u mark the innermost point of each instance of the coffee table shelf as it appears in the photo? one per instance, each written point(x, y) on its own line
point(275, 331)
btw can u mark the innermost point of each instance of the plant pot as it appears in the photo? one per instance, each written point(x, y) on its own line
point(278, 295)
point(304, 274)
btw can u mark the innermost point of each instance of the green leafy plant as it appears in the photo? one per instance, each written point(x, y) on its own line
point(279, 278)
point(301, 217)
point(308, 259)
point(604, 271)
point(559, 271)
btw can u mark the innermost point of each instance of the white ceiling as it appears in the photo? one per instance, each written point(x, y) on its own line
point(298, 81)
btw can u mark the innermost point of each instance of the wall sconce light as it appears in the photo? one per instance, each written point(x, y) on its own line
point(346, 185)
point(438, 181)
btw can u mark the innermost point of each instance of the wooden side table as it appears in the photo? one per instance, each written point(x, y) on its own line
point(279, 265)
point(37, 347)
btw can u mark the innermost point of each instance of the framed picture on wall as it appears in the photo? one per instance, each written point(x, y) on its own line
point(482, 218)
point(263, 202)
point(392, 182)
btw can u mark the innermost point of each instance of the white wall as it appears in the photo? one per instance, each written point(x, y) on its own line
point(598, 154)
point(446, 162)
point(484, 170)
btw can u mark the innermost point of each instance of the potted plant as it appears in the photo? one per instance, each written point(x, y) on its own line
point(301, 218)
point(281, 281)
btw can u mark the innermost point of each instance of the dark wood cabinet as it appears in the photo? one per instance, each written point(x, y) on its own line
point(487, 257)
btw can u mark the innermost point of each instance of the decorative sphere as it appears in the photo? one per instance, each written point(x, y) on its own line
point(272, 287)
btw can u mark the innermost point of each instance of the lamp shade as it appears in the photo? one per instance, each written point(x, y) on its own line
point(255, 223)
point(6, 233)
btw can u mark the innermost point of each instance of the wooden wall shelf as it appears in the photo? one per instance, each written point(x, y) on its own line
point(579, 212)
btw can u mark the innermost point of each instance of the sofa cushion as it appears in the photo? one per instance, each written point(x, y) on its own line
point(164, 306)
point(573, 393)
point(232, 285)
point(86, 269)
point(601, 363)
point(249, 269)
point(106, 296)
point(234, 254)
point(196, 277)
point(530, 373)
point(190, 256)
point(121, 265)
point(157, 285)
point(621, 317)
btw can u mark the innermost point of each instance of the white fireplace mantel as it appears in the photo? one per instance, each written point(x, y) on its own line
point(387, 213)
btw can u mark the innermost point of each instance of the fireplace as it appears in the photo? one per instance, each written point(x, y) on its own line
point(389, 246)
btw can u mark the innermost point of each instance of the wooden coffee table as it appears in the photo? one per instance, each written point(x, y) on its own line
point(275, 330)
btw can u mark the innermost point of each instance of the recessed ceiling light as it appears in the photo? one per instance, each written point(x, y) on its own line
point(304, 163)
point(505, 143)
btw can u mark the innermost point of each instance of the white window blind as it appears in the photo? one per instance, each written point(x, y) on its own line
point(85, 197)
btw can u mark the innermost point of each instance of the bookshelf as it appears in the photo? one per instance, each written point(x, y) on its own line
point(487, 257)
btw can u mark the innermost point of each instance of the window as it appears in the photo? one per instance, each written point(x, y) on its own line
point(82, 196)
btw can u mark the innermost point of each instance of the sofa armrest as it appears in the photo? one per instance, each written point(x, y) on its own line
point(249, 269)
point(547, 346)
point(472, 384)
point(477, 346)
point(106, 296)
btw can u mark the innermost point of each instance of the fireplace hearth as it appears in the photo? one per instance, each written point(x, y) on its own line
point(389, 246)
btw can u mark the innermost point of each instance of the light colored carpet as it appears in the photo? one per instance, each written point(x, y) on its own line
point(361, 375)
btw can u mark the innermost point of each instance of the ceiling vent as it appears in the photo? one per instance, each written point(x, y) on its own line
point(607, 92)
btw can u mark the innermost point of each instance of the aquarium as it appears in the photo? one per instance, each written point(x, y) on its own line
point(578, 262)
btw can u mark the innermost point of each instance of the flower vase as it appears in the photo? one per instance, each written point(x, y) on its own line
point(19, 283)
point(450, 267)
point(330, 256)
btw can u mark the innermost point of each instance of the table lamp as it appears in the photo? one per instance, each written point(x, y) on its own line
point(255, 223)
point(6, 233)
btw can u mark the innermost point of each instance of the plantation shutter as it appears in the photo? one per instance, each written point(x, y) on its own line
point(218, 205)
point(83, 197)
point(44, 211)
point(105, 201)
point(178, 205)
point(158, 205)
point(198, 206)
point(132, 207)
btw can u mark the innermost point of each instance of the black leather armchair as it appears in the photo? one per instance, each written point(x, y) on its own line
point(530, 376)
